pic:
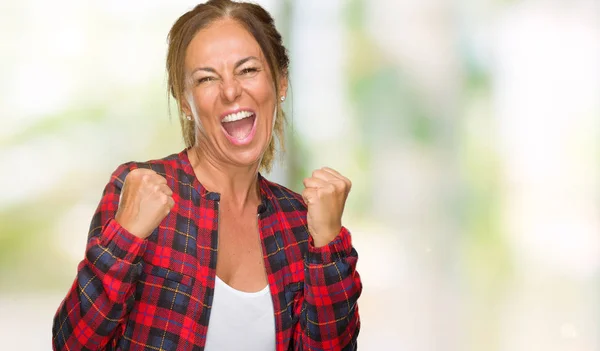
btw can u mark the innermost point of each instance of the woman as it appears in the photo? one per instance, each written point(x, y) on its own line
point(197, 251)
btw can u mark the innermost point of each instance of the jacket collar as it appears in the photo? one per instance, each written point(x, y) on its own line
point(266, 206)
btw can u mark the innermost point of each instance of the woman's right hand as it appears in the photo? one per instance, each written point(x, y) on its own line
point(145, 201)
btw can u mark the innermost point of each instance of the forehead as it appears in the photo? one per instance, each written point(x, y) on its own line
point(222, 42)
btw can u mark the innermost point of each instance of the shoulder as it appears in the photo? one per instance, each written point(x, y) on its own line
point(286, 200)
point(170, 166)
point(289, 214)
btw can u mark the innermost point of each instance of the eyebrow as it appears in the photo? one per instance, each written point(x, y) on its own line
point(237, 64)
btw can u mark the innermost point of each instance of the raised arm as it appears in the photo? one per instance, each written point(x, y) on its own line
point(328, 310)
point(328, 314)
point(93, 314)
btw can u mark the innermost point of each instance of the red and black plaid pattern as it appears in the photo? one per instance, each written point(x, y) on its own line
point(156, 293)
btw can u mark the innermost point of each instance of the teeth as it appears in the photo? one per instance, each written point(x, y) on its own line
point(236, 116)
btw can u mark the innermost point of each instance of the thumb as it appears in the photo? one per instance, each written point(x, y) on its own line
point(309, 195)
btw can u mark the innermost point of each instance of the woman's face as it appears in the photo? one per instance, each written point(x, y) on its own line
point(230, 94)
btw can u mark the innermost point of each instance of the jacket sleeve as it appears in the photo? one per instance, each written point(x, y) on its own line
point(328, 310)
point(102, 295)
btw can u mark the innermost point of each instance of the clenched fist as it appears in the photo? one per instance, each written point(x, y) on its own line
point(325, 195)
point(145, 201)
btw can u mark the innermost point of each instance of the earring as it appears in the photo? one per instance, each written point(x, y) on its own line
point(283, 98)
point(189, 118)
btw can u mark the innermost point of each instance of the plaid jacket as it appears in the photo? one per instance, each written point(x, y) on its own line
point(156, 293)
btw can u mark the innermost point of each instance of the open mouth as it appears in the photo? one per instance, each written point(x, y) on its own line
point(239, 126)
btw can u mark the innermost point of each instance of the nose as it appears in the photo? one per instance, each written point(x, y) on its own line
point(230, 89)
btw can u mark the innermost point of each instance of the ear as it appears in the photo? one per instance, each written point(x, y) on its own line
point(185, 105)
point(283, 84)
point(185, 108)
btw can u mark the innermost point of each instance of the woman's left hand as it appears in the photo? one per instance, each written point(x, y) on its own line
point(325, 195)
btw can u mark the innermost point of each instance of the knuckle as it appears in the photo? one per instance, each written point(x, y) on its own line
point(131, 176)
point(164, 199)
point(318, 172)
point(140, 172)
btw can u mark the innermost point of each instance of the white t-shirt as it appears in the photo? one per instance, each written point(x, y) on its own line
point(240, 320)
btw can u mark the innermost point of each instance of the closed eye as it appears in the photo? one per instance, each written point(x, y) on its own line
point(249, 70)
point(205, 79)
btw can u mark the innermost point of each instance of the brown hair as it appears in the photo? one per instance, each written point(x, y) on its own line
point(259, 24)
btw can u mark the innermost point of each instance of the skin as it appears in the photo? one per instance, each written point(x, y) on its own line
point(226, 71)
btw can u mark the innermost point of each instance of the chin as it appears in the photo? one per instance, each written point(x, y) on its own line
point(248, 154)
point(247, 158)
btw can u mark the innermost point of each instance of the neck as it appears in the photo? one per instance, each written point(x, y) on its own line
point(238, 186)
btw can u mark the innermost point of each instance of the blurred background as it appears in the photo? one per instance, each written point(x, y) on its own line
point(470, 129)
